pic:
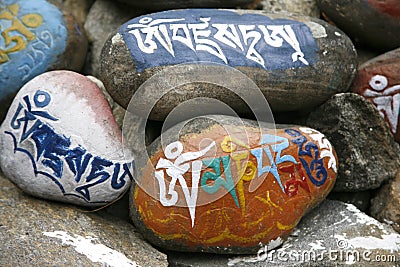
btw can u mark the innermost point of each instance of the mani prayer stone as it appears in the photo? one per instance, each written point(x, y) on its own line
point(373, 23)
point(378, 80)
point(297, 62)
point(178, 4)
point(35, 37)
point(60, 141)
point(220, 186)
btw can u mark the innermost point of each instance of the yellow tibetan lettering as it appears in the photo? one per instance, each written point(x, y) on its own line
point(18, 42)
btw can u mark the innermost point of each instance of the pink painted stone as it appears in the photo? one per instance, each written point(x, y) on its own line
point(378, 80)
point(60, 141)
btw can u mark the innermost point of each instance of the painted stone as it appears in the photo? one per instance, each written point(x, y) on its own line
point(368, 153)
point(373, 23)
point(177, 4)
point(378, 80)
point(35, 37)
point(296, 61)
point(224, 188)
point(60, 141)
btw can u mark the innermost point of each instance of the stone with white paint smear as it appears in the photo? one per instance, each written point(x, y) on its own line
point(60, 141)
point(34, 232)
point(297, 62)
point(334, 234)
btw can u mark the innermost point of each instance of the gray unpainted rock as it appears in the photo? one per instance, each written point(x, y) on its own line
point(78, 8)
point(104, 17)
point(28, 227)
point(368, 154)
point(333, 230)
point(360, 199)
point(385, 207)
point(304, 7)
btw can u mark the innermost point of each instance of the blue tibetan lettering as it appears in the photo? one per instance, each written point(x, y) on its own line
point(218, 36)
point(309, 150)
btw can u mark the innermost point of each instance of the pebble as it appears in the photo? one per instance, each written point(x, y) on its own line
point(371, 23)
point(34, 232)
point(179, 4)
point(226, 203)
point(385, 206)
point(378, 80)
point(297, 62)
point(303, 7)
point(104, 17)
point(35, 37)
point(333, 234)
point(368, 154)
point(60, 141)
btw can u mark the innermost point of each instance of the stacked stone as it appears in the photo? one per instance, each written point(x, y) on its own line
point(179, 106)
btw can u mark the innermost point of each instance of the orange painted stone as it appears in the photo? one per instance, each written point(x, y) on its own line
point(378, 80)
point(224, 188)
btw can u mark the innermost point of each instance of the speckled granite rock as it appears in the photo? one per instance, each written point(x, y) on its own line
point(38, 233)
point(368, 154)
point(104, 17)
point(303, 7)
point(334, 234)
point(385, 206)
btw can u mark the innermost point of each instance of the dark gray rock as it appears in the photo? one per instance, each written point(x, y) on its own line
point(385, 206)
point(285, 79)
point(38, 233)
point(334, 234)
point(368, 155)
point(373, 23)
point(360, 199)
point(104, 17)
point(177, 4)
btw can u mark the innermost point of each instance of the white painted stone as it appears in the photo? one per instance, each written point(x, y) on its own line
point(60, 141)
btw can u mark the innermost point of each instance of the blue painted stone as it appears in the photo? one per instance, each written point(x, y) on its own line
point(204, 35)
point(297, 62)
point(35, 36)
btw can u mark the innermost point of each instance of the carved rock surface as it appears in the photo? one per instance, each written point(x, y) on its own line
point(373, 23)
point(35, 37)
point(368, 154)
point(222, 187)
point(60, 141)
point(297, 62)
point(378, 80)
